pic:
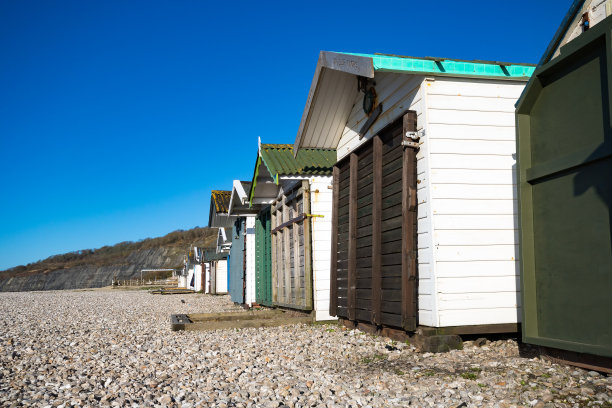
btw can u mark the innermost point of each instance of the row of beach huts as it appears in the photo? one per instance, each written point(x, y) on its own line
point(411, 201)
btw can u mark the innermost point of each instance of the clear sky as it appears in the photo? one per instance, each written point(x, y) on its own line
point(117, 118)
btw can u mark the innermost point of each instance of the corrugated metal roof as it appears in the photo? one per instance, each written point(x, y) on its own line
point(447, 66)
point(221, 198)
point(280, 161)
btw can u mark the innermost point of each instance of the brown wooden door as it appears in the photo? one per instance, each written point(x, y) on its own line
point(374, 231)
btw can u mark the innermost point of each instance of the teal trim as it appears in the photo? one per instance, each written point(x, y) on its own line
point(443, 66)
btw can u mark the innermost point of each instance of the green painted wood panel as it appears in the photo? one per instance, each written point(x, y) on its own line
point(564, 143)
point(263, 259)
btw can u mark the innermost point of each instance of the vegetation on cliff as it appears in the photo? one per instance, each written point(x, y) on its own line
point(117, 254)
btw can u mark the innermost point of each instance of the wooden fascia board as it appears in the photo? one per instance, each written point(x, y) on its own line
point(351, 64)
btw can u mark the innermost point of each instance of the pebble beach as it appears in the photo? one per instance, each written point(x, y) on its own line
point(115, 348)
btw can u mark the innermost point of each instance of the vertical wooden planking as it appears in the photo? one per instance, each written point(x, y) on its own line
point(376, 230)
point(274, 252)
point(308, 278)
point(268, 257)
point(297, 298)
point(352, 244)
point(286, 270)
point(409, 310)
point(333, 292)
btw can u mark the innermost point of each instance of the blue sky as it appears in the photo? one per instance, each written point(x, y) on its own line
point(118, 118)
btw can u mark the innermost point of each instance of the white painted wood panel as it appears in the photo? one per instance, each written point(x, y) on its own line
point(472, 284)
point(474, 103)
point(462, 301)
point(467, 132)
point(472, 192)
point(471, 140)
point(468, 317)
point(488, 147)
point(475, 237)
point(462, 176)
point(490, 119)
point(475, 222)
point(471, 161)
point(476, 88)
point(221, 276)
point(477, 269)
point(463, 253)
point(250, 261)
point(321, 204)
point(475, 207)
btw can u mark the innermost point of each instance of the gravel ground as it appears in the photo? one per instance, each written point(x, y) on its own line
point(92, 348)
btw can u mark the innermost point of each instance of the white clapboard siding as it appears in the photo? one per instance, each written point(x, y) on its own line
point(472, 191)
point(467, 132)
point(476, 269)
point(463, 253)
point(468, 317)
point(453, 206)
point(250, 258)
point(321, 204)
point(472, 118)
point(470, 161)
point(454, 301)
point(221, 276)
point(488, 147)
point(463, 176)
point(471, 140)
point(472, 284)
point(474, 103)
point(475, 237)
point(477, 88)
point(475, 222)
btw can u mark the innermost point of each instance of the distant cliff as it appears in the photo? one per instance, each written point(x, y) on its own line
point(93, 268)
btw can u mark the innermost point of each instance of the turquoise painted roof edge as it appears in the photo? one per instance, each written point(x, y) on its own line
point(447, 66)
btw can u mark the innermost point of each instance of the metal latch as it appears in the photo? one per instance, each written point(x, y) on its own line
point(411, 139)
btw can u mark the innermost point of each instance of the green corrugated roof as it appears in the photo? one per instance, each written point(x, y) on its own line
point(279, 160)
point(445, 66)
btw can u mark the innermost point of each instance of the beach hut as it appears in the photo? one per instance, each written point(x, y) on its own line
point(293, 227)
point(219, 217)
point(242, 253)
point(424, 232)
point(565, 168)
point(217, 281)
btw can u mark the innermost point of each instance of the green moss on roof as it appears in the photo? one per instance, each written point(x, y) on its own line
point(280, 161)
point(221, 199)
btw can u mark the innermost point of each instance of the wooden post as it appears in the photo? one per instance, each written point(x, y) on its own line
point(308, 276)
point(352, 238)
point(409, 204)
point(333, 277)
point(376, 230)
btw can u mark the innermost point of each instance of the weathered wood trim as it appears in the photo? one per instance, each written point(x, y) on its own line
point(409, 274)
point(376, 230)
point(308, 278)
point(352, 238)
point(473, 329)
point(333, 282)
